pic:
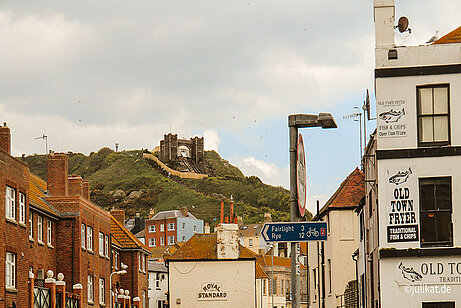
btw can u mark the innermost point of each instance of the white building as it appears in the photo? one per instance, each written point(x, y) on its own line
point(214, 270)
point(158, 284)
point(411, 219)
point(332, 275)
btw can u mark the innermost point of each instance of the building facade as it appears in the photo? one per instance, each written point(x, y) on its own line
point(168, 227)
point(158, 285)
point(331, 267)
point(411, 221)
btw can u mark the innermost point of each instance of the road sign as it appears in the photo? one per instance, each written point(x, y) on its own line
point(301, 176)
point(294, 231)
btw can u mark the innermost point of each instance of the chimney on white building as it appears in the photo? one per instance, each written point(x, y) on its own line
point(227, 241)
point(384, 23)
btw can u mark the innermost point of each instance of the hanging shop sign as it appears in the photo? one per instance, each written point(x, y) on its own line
point(392, 120)
point(402, 204)
point(212, 291)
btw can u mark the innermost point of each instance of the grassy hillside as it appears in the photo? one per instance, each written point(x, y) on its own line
point(126, 180)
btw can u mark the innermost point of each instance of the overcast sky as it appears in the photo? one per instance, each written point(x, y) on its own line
point(92, 73)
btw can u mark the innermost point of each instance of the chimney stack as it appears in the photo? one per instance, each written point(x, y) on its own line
point(231, 216)
point(267, 217)
point(222, 212)
point(384, 23)
point(86, 190)
point(207, 228)
point(57, 174)
point(119, 214)
point(184, 211)
point(5, 139)
point(227, 241)
point(151, 214)
point(75, 185)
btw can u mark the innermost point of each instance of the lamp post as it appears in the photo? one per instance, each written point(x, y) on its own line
point(120, 272)
point(295, 121)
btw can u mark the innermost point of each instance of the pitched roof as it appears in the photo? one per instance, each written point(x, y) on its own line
point(203, 246)
point(37, 190)
point(450, 38)
point(124, 237)
point(171, 214)
point(349, 193)
point(153, 266)
point(266, 260)
point(250, 230)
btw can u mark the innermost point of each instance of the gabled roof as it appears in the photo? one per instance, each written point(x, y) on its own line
point(250, 230)
point(124, 237)
point(450, 38)
point(203, 246)
point(171, 214)
point(349, 193)
point(37, 191)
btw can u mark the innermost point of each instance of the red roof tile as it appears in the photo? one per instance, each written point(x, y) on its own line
point(450, 38)
point(349, 193)
point(123, 237)
point(37, 189)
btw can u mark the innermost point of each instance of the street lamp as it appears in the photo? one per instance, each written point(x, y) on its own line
point(295, 121)
point(120, 272)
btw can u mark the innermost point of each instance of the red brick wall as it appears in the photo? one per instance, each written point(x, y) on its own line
point(5, 139)
point(57, 173)
point(158, 234)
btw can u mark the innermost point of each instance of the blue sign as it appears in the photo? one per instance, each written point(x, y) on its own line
point(294, 231)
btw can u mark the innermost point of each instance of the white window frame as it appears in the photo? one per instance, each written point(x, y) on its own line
point(22, 208)
point(157, 281)
point(90, 289)
point(152, 242)
point(83, 236)
point(183, 226)
point(49, 226)
point(10, 270)
point(115, 260)
point(101, 290)
point(10, 203)
point(106, 247)
point(31, 225)
point(171, 226)
point(40, 229)
point(101, 244)
point(152, 229)
point(162, 228)
point(139, 262)
point(89, 238)
point(162, 241)
point(171, 240)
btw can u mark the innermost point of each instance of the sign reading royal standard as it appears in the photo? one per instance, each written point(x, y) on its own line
point(294, 231)
point(212, 291)
point(402, 204)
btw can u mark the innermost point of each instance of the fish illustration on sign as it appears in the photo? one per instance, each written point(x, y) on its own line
point(409, 273)
point(400, 177)
point(391, 116)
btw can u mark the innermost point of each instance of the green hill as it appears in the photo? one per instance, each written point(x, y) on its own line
point(127, 180)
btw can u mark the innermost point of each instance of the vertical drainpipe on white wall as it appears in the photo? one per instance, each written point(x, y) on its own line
point(384, 23)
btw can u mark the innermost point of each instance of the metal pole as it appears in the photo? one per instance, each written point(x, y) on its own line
point(295, 286)
point(272, 285)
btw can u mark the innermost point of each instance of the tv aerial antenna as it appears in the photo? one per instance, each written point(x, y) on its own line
point(44, 137)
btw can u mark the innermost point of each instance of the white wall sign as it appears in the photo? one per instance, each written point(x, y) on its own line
point(430, 271)
point(402, 204)
point(392, 120)
point(212, 291)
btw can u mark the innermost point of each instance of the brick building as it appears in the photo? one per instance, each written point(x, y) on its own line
point(52, 227)
point(169, 227)
point(127, 249)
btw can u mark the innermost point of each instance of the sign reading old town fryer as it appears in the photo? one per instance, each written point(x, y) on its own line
point(301, 176)
point(402, 204)
point(212, 291)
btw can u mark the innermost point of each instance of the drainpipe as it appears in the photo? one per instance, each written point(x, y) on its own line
point(322, 251)
point(73, 250)
point(355, 256)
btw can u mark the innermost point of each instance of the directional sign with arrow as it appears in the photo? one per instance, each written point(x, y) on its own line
point(294, 231)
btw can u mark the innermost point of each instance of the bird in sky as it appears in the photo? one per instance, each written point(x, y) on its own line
point(434, 38)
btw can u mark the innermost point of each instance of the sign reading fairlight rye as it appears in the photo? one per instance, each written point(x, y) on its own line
point(392, 121)
point(402, 204)
point(212, 291)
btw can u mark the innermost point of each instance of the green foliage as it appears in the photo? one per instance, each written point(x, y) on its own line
point(109, 173)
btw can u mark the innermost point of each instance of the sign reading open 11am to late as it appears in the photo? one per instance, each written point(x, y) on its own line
point(294, 231)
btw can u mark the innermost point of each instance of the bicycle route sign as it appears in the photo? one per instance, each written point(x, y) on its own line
point(294, 231)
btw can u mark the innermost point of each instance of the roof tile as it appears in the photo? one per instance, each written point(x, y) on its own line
point(450, 38)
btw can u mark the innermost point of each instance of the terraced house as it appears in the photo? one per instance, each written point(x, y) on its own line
point(55, 243)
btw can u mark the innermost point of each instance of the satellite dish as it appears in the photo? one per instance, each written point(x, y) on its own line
point(403, 24)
